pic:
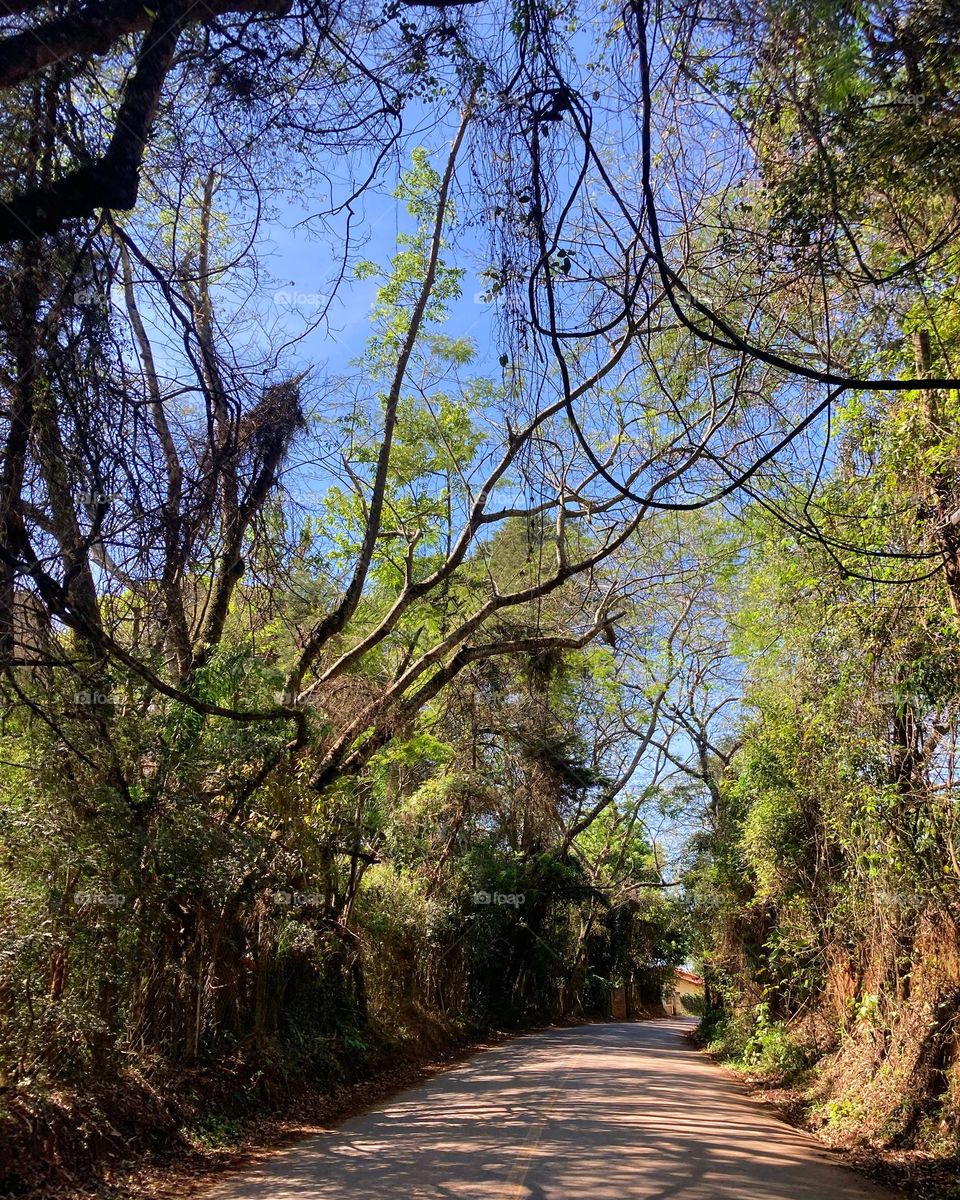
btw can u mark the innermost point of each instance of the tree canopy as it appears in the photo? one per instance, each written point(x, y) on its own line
point(555, 583)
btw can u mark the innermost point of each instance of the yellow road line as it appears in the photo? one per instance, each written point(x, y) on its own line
point(528, 1151)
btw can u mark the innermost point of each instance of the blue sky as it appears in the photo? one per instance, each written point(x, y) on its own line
point(303, 258)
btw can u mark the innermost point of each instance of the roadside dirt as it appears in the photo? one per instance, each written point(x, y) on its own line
point(185, 1170)
point(916, 1174)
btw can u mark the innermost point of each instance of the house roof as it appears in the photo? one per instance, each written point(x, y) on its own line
point(688, 976)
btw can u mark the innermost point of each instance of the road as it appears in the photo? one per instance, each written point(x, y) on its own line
point(587, 1113)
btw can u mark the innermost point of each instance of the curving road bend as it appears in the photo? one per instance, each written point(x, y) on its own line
point(587, 1113)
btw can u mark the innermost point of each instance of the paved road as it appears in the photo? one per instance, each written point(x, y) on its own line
point(588, 1113)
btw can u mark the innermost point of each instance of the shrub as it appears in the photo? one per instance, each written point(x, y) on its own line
point(771, 1049)
point(696, 1004)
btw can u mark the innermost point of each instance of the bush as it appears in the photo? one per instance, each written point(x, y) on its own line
point(696, 1004)
point(771, 1049)
point(726, 1034)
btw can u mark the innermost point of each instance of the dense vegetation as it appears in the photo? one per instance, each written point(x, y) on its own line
point(557, 581)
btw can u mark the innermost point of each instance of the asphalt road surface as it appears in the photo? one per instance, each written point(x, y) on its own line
point(587, 1113)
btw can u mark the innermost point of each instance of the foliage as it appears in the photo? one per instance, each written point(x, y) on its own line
point(366, 682)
